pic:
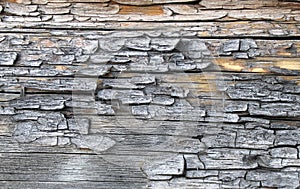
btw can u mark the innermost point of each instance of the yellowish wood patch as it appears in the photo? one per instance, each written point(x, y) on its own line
point(230, 64)
point(144, 10)
point(289, 64)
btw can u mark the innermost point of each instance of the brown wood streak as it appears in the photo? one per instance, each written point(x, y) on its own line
point(151, 10)
point(292, 5)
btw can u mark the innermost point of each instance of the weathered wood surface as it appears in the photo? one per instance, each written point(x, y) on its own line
point(149, 94)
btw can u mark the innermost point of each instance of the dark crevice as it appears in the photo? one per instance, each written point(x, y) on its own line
point(283, 146)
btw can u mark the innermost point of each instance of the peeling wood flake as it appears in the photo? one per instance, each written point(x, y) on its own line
point(95, 9)
point(275, 14)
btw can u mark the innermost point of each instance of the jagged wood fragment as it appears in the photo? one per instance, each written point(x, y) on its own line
point(7, 59)
point(20, 9)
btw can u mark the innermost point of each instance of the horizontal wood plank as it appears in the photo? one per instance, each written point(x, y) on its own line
point(160, 94)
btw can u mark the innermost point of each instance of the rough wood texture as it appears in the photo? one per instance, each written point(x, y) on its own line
point(160, 94)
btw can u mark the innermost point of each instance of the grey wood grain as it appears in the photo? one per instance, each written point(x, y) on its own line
point(149, 94)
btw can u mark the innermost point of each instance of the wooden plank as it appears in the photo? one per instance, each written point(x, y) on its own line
point(149, 94)
point(69, 14)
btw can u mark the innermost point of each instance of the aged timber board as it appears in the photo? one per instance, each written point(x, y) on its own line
point(158, 94)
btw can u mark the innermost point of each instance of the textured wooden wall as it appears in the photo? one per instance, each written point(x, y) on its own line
point(158, 94)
